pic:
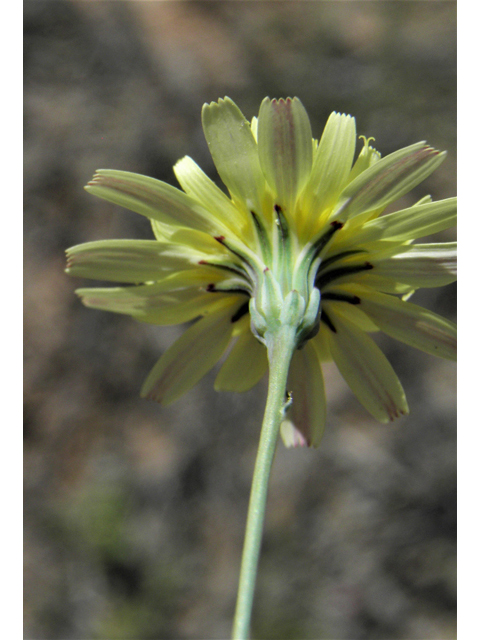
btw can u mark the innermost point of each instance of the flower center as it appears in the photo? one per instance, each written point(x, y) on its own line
point(282, 277)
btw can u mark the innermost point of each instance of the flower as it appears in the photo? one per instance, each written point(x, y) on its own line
point(300, 239)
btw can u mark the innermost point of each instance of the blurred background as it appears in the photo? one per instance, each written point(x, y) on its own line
point(134, 513)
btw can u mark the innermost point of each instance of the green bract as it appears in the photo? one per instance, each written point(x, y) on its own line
point(299, 241)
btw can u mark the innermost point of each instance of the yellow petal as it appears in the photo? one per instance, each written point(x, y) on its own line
point(410, 323)
point(189, 358)
point(285, 148)
point(198, 185)
point(234, 152)
point(308, 411)
point(388, 179)
point(154, 199)
point(366, 370)
point(426, 265)
point(412, 223)
point(245, 365)
point(331, 165)
point(129, 260)
point(159, 303)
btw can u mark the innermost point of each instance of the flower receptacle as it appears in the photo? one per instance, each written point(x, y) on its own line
point(270, 311)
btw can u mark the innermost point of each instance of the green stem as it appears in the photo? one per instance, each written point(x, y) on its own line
point(280, 350)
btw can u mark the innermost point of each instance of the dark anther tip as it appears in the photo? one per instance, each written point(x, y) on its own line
point(336, 224)
point(210, 287)
point(219, 239)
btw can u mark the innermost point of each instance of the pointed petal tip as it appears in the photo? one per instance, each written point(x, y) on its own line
point(291, 436)
point(150, 395)
point(282, 101)
point(182, 160)
point(96, 179)
point(427, 151)
point(341, 114)
point(215, 104)
point(99, 173)
point(151, 390)
point(82, 294)
point(393, 415)
point(398, 412)
point(156, 395)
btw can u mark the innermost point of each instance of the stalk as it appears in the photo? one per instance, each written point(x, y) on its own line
point(281, 347)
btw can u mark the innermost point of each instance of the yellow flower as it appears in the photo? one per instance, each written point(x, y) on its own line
point(300, 239)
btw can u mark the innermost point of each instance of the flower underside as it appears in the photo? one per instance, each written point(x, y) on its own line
point(301, 239)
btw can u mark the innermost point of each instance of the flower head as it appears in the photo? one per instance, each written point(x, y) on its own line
point(299, 240)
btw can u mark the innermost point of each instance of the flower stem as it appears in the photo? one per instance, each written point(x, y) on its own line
point(280, 350)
